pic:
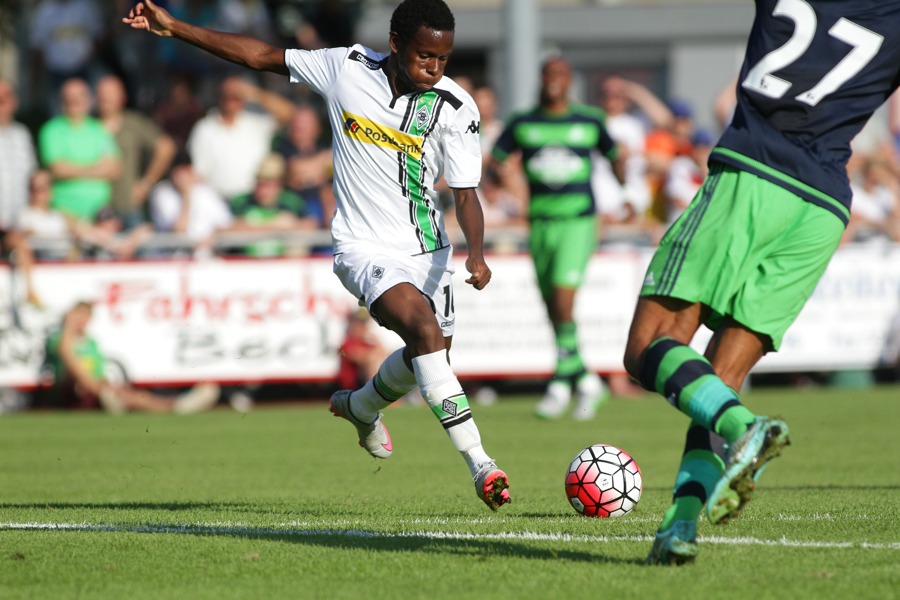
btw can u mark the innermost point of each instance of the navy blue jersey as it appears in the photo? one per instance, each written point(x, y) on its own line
point(556, 153)
point(813, 74)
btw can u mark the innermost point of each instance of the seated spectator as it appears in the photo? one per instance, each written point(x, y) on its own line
point(47, 227)
point(185, 204)
point(682, 126)
point(107, 237)
point(361, 352)
point(81, 155)
point(309, 163)
point(270, 208)
point(78, 369)
point(686, 174)
point(501, 207)
point(876, 203)
point(146, 152)
point(228, 145)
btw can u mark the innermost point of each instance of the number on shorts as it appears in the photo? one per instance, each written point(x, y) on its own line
point(448, 301)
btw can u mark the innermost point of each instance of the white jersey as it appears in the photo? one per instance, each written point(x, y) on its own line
point(389, 152)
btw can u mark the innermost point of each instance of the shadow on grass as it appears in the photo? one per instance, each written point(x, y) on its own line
point(477, 545)
point(164, 506)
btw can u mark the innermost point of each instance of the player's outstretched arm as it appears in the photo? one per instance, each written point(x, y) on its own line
point(240, 49)
point(471, 220)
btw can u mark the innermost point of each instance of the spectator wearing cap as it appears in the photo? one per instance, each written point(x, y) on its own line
point(682, 127)
point(272, 208)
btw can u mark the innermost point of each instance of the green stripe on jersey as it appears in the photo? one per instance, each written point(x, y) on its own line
point(582, 134)
point(424, 215)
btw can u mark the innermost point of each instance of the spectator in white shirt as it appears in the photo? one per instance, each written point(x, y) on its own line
point(18, 159)
point(185, 204)
point(228, 144)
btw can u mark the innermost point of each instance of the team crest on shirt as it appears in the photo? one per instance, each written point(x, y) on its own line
point(377, 272)
point(422, 117)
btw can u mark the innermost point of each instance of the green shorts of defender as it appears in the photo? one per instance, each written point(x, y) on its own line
point(561, 249)
point(748, 249)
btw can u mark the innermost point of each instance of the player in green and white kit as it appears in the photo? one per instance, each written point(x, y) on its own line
point(398, 125)
point(557, 141)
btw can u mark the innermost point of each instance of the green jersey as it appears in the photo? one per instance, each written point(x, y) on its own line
point(86, 349)
point(557, 153)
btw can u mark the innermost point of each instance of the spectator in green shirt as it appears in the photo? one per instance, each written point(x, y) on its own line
point(80, 153)
point(271, 208)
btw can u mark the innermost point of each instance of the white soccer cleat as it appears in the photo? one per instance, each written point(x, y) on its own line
point(555, 401)
point(590, 395)
point(374, 436)
point(199, 398)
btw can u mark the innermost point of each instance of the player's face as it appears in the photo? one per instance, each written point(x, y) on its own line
point(421, 60)
point(555, 81)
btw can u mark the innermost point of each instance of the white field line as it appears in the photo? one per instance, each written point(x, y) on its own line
point(297, 530)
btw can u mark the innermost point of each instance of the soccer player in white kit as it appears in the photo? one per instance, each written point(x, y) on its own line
point(398, 125)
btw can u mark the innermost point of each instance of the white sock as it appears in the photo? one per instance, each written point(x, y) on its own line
point(392, 381)
point(442, 392)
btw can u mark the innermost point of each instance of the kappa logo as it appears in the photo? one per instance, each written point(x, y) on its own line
point(422, 117)
point(377, 272)
point(450, 407)
point(373, 65)
point(474, 127)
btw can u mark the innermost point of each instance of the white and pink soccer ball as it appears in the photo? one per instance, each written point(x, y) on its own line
point(603, 481)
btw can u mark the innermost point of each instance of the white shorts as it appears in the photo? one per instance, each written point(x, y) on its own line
point(369, 271)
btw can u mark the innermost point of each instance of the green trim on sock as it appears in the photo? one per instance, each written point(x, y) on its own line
point(461, 404)
point(735, 422)
point(685, 508)
point(386, 391)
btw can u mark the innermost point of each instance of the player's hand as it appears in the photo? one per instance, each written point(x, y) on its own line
point(480, 272)
point(148, 16)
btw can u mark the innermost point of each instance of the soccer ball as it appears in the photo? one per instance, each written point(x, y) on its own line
point(603, 481)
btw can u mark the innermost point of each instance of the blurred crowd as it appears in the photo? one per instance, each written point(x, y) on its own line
point(129, 147)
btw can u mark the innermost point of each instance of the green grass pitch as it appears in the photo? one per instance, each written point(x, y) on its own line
point(282, 503)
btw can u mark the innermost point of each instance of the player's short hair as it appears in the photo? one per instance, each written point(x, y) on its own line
point(410, 15)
